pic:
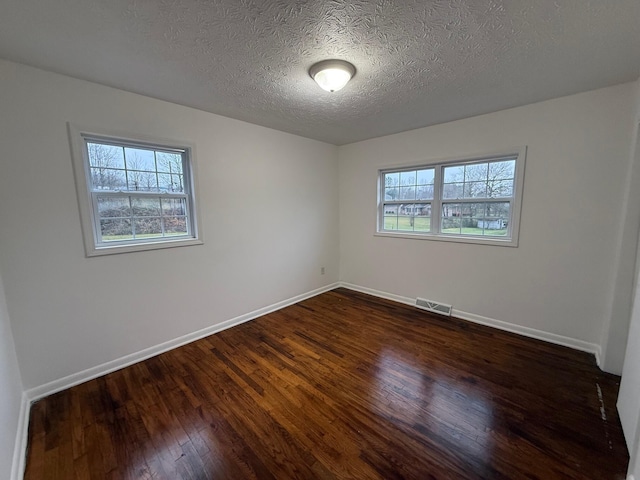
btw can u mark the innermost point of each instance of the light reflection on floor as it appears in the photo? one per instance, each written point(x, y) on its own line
point(459, 414)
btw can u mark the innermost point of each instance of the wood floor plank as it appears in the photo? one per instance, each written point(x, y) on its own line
point(342, 385)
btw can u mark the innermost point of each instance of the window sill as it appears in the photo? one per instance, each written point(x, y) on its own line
point(498, 242)
point(139, 247)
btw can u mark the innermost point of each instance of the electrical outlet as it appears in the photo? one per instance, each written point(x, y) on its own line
point(321, 270)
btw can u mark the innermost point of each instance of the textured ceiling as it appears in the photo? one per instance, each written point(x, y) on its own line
point(419, 62)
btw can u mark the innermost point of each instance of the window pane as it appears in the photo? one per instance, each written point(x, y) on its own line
point(169, 162)
point(496, 219)
point(408, 178)
point(498, 210)
point(454, 174)
point(499, 188)
point(422, 219)
point(170, 183)
point(142, 181)
point(390, 217)
point(424, 192)
point(476, 172)
point(148, 227)
point(391, 180)
point(391, 193)
point(113, 207)
point(408, 217)
point(405, 222)
point(450, 220)
point(390, 223)
point(105, 156)
point(114, 230)
point(390, 210)
point(414, 217)
point(469, 218)
point(476, 210)
point(164, 182)
point(425, 177)
point(174, 206)
point(422, 224)
point(146, 207)
point(177, 182)
point(453, 190)
point(140, 159)
point(477, 219)
point(108, 179)
point(175, 225)
point(475, 189)
point(407, 193)
point(502, 170)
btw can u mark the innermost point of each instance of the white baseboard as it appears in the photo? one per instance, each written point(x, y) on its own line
point(598, 354)
point(42, 391)
point(529, 332)
point(50, 388)
point(22, 433)
point(499, 324)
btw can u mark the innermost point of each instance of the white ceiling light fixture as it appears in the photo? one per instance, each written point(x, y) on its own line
point(332, 75)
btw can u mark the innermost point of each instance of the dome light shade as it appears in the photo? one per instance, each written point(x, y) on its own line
point(332, 75)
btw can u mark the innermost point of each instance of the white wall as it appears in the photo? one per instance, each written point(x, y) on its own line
point(559, 280)
point(269, 205)
point(629, 395)
point(616, 327)
point(10, 391)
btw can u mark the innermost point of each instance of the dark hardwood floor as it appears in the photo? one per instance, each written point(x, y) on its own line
point(342, 385)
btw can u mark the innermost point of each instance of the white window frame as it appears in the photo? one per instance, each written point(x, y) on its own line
point(87, 198)
point(513, 227)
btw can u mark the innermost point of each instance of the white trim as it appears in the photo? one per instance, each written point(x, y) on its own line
point(142, 246)
point(490, 322)
point(379, 293)
point(630, 477)
point(598, 354)
point(528, 332)
point(504, 242)
point(69, 381)
point(22, 434)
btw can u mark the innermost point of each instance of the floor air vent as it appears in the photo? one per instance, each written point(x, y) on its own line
point(434, 307)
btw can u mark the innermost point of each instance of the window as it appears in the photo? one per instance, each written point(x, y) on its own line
point(474, 200)
point(134, 195)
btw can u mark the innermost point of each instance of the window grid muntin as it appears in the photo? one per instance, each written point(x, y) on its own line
point(405, 186)
point(484, 218)
point(157, 172)
point(486, 180)
point(439, 201)
point(131, 196)
point(412, 221)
